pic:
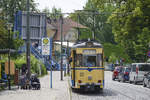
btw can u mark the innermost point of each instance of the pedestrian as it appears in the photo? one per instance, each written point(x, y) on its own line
point(23, 69)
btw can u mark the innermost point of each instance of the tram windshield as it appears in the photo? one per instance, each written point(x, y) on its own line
point(89, 60)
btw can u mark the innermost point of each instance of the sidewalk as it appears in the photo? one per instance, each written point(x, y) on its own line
point(60, 90)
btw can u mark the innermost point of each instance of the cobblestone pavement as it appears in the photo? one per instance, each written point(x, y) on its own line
point(115, 90)
point(58, 92)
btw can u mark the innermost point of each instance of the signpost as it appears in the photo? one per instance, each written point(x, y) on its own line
point(45, 46)
point(47, 51)
point(51, 60)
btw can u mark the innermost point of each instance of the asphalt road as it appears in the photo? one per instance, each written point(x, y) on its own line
point(115, 90)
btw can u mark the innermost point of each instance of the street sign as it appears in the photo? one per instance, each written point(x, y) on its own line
point(148, 54)
point(45, 46)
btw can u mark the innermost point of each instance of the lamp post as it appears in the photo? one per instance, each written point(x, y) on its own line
point(68, 57)
point(61, 32)
point(9, 25)
point(28, 40)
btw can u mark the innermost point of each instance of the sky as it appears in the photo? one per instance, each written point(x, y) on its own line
point(66, 6)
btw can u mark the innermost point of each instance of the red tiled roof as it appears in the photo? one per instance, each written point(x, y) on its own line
point(67, 25)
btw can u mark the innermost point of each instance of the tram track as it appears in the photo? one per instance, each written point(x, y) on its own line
point(115, 91)
point(133, 88)
point(121, 93)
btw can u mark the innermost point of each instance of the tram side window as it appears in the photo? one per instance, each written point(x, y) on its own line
point(79, 60)
point(89, 61)
point(99, 60)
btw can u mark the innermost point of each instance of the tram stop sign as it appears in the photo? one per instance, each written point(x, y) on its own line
point(148, 54)
point(45, 46)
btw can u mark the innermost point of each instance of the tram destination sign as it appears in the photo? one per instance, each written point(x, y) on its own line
point(89, 52)
point(45, 46)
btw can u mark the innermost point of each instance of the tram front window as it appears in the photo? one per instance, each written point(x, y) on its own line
point(89, 61)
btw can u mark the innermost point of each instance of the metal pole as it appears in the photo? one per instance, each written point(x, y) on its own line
point(93, 25)
point(68, 57)
point(61, 30)
point(28, 40)
point(78, 27)
point(65, 67)
point(51, 62)
point(9, 83)
point(51, 76)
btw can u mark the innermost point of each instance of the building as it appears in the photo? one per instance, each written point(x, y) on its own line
point(70, 32)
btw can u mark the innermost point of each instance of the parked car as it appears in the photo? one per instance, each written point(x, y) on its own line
point(138, 70)
point(116, 71)
point(146, 80)
point(124, 74)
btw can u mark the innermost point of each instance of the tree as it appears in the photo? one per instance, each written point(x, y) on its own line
point(55, 14)
point(131, 28)
point(10, 7)
point(6, 40)
point(99, 25)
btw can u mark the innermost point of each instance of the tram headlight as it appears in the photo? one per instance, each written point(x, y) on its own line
point(99, 81)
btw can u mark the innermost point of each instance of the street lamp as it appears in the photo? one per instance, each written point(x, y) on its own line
point(9, 26)
point(61, 32)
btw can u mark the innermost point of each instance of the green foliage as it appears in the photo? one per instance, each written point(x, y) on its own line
point(7, 39)
point(97, 24)
point(131, 28)
point(3, 35)
point(85, 33)
point(36, 65)
point(115, 52)
point(55, 14)
point(9, 8)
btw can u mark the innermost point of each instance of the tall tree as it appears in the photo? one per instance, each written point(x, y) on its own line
point(9, 7)
point(131, 28)
point(6, 40)
point(54, 14)
point(101, 12)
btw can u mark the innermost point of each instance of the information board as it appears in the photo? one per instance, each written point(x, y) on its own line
point(45, 46)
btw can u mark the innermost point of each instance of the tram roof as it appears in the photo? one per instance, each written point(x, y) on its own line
point(84, 45)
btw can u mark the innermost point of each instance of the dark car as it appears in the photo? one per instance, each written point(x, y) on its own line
point(146, 80)
point(124, 74)
point(116, 72)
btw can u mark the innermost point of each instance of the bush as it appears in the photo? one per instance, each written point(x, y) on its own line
point(36, 65)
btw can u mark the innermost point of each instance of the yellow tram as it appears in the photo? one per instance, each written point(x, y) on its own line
point(87, 69)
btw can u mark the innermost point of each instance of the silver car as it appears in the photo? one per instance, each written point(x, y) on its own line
point(138, 70)
point(146, 80)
